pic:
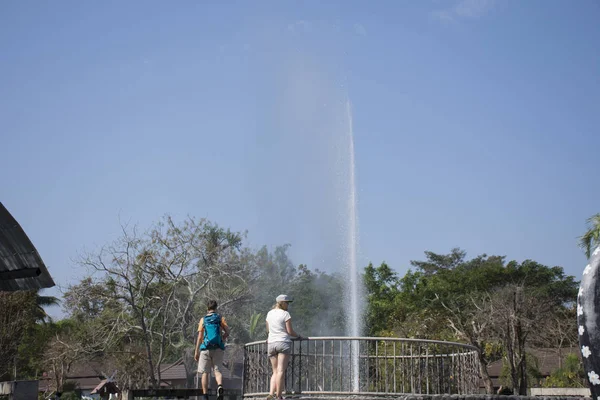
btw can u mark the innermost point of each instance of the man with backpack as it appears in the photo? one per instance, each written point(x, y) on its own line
point(210, 346)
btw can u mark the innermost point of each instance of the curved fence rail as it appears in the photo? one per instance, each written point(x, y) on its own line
point(367, 366)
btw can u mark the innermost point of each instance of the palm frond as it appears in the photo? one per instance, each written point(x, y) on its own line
point(591, 238)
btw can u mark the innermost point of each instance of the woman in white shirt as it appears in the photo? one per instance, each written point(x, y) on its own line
point(279, 343)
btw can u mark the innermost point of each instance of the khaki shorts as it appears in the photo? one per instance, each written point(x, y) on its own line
point(210, 359)
point(279, 347)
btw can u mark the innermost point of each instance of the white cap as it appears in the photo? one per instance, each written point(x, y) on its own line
point(284, 297)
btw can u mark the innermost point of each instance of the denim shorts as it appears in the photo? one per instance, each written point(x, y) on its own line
point(279, 347)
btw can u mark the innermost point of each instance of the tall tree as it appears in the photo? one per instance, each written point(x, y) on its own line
point(17, 316)
point(440, 262)
point(451, 298)
point(317, 309)
point(382, 289)
point(163, 278)
point(41, 302)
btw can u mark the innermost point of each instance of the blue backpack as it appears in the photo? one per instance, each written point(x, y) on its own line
point(212, 333)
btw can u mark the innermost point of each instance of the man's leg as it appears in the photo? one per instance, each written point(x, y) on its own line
point(205, 383)
point(203, 369)
point(217, 360)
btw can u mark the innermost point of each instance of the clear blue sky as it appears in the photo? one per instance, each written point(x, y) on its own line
point(476, 124)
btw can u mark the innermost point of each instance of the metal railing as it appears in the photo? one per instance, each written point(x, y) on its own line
point(366, 366)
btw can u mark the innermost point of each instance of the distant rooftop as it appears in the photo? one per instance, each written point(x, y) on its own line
point(21, 267)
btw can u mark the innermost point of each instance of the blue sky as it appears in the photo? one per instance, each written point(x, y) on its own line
point(475, 122)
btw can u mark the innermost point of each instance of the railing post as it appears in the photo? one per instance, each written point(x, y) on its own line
point(300, 369)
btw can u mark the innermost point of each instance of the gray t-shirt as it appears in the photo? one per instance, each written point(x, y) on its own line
point(276, 318)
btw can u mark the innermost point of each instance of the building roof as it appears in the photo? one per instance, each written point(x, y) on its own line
point(547, 361)
point(174, 371)
point(106, 386)
point(21, 267)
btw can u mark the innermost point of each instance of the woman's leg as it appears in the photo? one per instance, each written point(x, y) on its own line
point(273, 359)
point(282, 364)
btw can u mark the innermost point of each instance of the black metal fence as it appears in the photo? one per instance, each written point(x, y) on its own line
point(367, 366)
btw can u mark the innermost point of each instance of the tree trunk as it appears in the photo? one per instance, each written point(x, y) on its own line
point(523, 373)
point(487, 381)
point(191, 368)
point(522, 366)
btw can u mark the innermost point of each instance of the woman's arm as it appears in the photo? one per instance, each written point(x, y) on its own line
point(290, 330)
point(267, 340)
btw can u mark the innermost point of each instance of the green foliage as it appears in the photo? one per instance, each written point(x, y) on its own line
point(255, 326)
point(17, 317)
point(30, 354)
point(498, 307)
point(382, 288)
point(70, 395)
point(533, 373)
point(571, 374)
point(440, 262)
point(315, 312)
point(492, 350)
point(149, 291)
point(591, 238)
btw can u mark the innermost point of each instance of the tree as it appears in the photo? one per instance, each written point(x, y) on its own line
point(315, 311)
point(440, 262)
point(275, 273)
point(461, 291)
point(591, 238)
point(17, 315)
point(382, 289)
point(559, 332)
point(532, 299)
point(71, 342)
point(155, 282)
point(492, 305)
point(255, 331)
point(34, 338)
point(41, 302)
point(571, 374)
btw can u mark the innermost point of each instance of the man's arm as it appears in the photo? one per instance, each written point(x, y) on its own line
point(225, 328)
point(199, 339)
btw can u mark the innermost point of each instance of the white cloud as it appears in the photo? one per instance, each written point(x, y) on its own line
point(464, 9)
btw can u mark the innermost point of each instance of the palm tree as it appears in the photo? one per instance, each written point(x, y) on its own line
point(40, 303)
point(255, 319)
point(591, 238)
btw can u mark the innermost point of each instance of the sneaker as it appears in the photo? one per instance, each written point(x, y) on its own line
point(220, 392)
point(270, 397)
